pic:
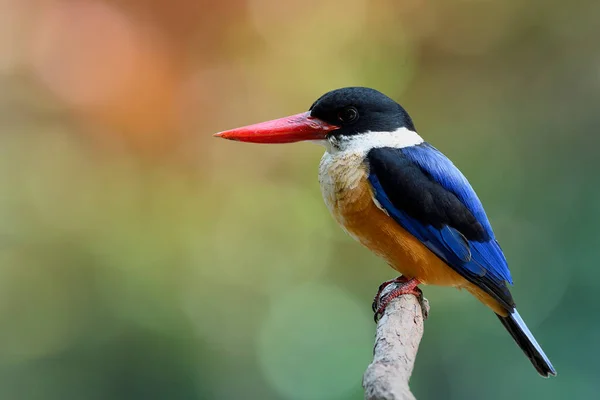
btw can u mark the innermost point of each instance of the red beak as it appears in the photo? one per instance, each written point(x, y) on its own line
point(290, 129)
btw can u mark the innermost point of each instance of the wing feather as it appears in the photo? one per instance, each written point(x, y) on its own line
point(429, 197)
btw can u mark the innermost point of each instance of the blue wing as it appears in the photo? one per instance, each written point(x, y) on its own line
point(429, 197)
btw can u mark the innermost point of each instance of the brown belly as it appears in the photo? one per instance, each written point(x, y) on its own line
point(356, 211)
point(368, 224)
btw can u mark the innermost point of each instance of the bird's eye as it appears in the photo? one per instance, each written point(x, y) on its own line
point(348, 114)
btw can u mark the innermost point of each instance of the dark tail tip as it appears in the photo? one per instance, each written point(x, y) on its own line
point(515, 325)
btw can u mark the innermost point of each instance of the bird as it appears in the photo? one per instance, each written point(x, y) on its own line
point(404, 200)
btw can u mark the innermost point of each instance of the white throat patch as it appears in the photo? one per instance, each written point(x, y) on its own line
point(364, 142)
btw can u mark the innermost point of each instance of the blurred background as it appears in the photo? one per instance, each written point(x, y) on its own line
point(140, 258)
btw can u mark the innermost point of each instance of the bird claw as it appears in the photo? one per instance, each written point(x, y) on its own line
point(404, 286)
point(376, 300)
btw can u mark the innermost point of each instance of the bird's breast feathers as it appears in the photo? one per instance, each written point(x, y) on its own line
point(343, 173)
point(349, 197)
point(342, 177)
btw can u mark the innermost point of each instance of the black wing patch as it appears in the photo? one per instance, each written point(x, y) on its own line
point(414, 192)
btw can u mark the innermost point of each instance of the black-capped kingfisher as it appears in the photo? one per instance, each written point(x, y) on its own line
point(403, 199)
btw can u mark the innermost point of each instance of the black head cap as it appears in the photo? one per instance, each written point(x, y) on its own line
point(359, 110)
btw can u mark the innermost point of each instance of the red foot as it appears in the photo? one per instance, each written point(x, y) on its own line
point(401, 280)
point(405, 286)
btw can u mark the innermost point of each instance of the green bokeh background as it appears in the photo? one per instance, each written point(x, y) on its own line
point(143, 259)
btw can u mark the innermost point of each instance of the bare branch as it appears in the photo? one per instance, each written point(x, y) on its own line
point(399, 333)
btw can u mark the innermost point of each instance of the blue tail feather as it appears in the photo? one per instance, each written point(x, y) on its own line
point(515, 325)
